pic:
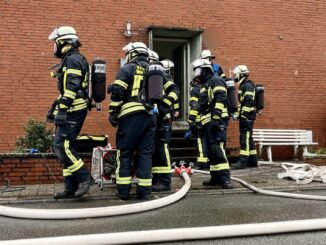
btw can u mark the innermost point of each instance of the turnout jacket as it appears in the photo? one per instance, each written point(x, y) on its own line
point(211, 101)
point(73, 75)
point(171, 93)
point(247, 96)
point(126, 89)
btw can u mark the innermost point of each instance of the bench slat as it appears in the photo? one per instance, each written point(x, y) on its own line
point(282, 137)
point(281, 133)
point(278, 130)
point(279, 137)
point(275, 143)
point(283, 141)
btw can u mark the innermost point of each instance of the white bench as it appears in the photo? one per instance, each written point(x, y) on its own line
point(266, 138)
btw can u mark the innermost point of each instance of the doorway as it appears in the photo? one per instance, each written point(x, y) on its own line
point(182, 46)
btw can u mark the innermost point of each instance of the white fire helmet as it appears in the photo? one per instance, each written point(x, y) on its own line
point(61, 37)
point(198, 65)
point(240, 71)
point(167, 64)
point(133, 49)
point(207, 54)
point(152, 55)
point(62, 33)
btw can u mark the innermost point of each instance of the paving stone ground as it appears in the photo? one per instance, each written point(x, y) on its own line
point(265, 176)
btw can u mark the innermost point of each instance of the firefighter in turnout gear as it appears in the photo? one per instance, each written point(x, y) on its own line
point(136, 123)
point(161, 169)
point(69, 110)
point(247, 115)
point(207, 54)
point(167, 67)
point(196, 128)
point(210, 104)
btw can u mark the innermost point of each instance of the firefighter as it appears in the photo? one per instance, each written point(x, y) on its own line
point(207, 54)
point(161, 169)
point(167, 67)
point(196, 128)
point(209, 105)
point(247, 116)
point(136, 123)
point(69, 110)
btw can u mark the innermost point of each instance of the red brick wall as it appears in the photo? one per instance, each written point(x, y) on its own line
point(33, 170)
point(282, 42)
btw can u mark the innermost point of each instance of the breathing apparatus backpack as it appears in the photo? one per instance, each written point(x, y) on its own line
point(152, 89)
point(232, 95)
point(259, 96)
point(97, 83)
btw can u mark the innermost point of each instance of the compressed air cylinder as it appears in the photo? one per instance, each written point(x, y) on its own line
point(98, 80)
point(154, 90)
point(232, 96)
point(260, 96)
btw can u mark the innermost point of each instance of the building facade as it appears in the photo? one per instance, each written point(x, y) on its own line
point(283, 43)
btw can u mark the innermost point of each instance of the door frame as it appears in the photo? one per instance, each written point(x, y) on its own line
point(185, 36)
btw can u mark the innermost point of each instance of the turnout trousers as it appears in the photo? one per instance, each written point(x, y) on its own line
point(135, 142)
point(248, 153)
point(202, 159)
point(219, 166)
point(74, 171)
point(222, 133)
point(161, 169)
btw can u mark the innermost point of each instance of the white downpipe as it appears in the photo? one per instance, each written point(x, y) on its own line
point(271, 193)
point(97, 212)
point(180, 234)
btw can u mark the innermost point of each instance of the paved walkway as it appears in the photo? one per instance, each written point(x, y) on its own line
point(265, 176)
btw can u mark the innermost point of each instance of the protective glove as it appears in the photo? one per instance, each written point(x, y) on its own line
point(191, 131)
point(188, 135)
point(61, 118)
point(50, 116)
point(113, 119)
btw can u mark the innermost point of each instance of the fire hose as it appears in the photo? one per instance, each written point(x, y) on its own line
point(163, 235)
point(179, 234)
point(54, 214)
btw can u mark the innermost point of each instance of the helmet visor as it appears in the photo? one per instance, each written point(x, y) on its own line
point(54, 35)
point(197, 72)
point(55, 47)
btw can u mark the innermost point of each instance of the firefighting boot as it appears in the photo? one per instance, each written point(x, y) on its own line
point(70, 186)
point(252, 161)
point(238, 165)
point(213, 181)
point(160, 187)
point(227, 185)
point(242, 162)
point(84, 179)
point(210, 182)
point(64, 194)
point(83, 188)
